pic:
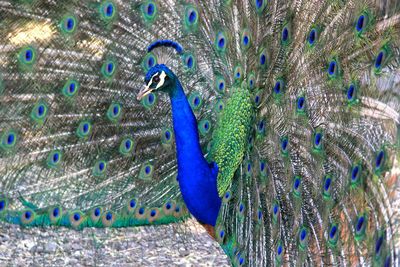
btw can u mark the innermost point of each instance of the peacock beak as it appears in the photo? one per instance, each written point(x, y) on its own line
point(145, 91)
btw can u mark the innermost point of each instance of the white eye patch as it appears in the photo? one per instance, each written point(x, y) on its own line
point(160, 83)
point(162, 80)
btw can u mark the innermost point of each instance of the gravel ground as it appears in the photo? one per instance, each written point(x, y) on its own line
point(171, 245)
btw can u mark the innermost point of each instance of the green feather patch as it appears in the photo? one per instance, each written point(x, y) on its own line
point(76, 219)
point(220, 84)
point(108, 219)
point(126, 146)
point(99, 168)
point(146, 171)
point(71, 88)
point(149, 11)
point(114, 112)
point(109, 68)
point(167, 136)
point(9, 139)
point(55, 214)
point(204, 127)
point(27, 217)
point(39, 112)
point(54, 159)
point(228, 152)
point(68, 24)
point(195, 101)
point(84, 129)
point(108, 11)
point(191, 18)
point(3, 205)
point(382, 57)
point(27, 57)
point(149, 61)
point(221, 42)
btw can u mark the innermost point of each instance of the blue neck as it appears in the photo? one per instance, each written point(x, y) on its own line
point(197, 178)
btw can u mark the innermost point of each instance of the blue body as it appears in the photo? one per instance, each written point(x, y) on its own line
point(197, 178)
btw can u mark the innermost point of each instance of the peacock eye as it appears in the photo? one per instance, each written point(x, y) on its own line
point(156, 79)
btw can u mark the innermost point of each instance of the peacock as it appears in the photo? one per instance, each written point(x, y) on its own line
point(275, 124)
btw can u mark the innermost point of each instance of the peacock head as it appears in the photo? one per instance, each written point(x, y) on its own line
point(160, 77)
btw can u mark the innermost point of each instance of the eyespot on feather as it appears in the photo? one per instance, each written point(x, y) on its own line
point(95, 214)
point(108, 218)
point(55, 214)
point(27, 217)
point(169, 207)
point(76, 218)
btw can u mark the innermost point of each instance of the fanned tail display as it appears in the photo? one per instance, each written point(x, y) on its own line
point(274, 123)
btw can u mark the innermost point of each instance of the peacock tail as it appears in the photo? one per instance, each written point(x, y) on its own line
point(77, 148)
point(296, 104)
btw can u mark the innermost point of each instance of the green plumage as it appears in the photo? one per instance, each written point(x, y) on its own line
point(231, 136)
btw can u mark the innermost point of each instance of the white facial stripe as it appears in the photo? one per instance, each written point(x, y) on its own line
point(151, 80)
point(148, 85)
point(162, 80)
